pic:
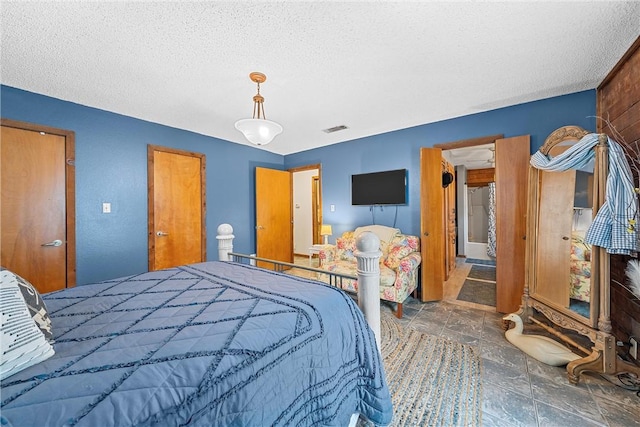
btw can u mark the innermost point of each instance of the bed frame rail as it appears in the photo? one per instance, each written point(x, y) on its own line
point(368, 257)
point(334, 279)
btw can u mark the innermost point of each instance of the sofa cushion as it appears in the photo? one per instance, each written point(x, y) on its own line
point(400, 247)
point(345, 247)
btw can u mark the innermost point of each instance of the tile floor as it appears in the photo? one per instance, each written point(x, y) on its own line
point(517, 389)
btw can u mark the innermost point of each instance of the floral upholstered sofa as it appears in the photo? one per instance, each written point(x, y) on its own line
point(398, 264)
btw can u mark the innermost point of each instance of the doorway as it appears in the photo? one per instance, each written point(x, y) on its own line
point(38, 204)
point(474, 284)
point(476, 200)
point(307, 208)
point(288, 211)
point(511, 175)
point(477, 211)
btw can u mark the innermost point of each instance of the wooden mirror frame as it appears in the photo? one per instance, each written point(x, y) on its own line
point(602, 356)
point(540, 301)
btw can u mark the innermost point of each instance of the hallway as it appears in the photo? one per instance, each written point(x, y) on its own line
point(453, 286)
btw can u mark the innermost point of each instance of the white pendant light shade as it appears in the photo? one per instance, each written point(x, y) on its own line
point(259, 131)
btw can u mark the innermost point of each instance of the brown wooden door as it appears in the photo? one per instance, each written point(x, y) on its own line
point(432, 224)
point(274, 217)
point(316, 209)
point(512, 174)
point(177, 233)
point(450, 223)
point(36, 236)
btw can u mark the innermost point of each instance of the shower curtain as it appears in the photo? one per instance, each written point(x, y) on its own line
point(491, 241)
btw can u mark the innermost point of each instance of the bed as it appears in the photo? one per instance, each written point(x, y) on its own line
point(215, 343)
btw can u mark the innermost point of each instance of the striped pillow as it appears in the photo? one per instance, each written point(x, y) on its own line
point(35, 304)
point(22, 343)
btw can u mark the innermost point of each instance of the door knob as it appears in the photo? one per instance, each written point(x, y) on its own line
point(54, 243)
point(161, 234)
point(565, 237)
point(259, 227)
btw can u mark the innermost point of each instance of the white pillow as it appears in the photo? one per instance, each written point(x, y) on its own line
point(384, 233)
point(22, 344)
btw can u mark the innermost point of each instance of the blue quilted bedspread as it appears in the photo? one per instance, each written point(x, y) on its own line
point(210, 344)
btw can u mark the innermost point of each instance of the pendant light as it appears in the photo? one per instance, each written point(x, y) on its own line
point(258, 130)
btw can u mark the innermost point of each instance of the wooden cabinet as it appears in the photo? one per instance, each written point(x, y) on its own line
point(567, 279)
point(553, 237)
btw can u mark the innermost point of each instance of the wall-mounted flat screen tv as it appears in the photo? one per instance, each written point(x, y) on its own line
point(379, 188)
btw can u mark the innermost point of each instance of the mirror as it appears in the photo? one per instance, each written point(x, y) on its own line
point(580, 259)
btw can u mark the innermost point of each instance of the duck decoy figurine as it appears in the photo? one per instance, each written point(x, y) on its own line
point(540, 348)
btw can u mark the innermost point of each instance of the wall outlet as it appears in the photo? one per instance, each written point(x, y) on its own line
point(633, 350)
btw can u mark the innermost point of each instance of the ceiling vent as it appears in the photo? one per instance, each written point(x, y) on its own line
point(335, 129)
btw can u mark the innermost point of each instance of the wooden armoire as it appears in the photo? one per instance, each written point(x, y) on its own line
point(567, 291)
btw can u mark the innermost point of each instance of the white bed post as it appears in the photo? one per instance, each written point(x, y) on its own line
point(225, 241)
point(368, 256)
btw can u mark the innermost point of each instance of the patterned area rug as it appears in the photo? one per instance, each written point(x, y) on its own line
point(480, 261)
point(482, 272)
point(433, 381)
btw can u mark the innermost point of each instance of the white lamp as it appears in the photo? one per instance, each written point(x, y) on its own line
point(325, 230)
point(258, 130)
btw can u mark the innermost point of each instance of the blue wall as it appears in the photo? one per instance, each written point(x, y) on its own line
point(111, 166)
point(401, 149)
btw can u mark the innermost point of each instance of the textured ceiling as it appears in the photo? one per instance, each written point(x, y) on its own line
point(372, 66)
point(477, 157)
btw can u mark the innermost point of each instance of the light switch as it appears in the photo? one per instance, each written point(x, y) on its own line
point(332, 208)
point(106, 208)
